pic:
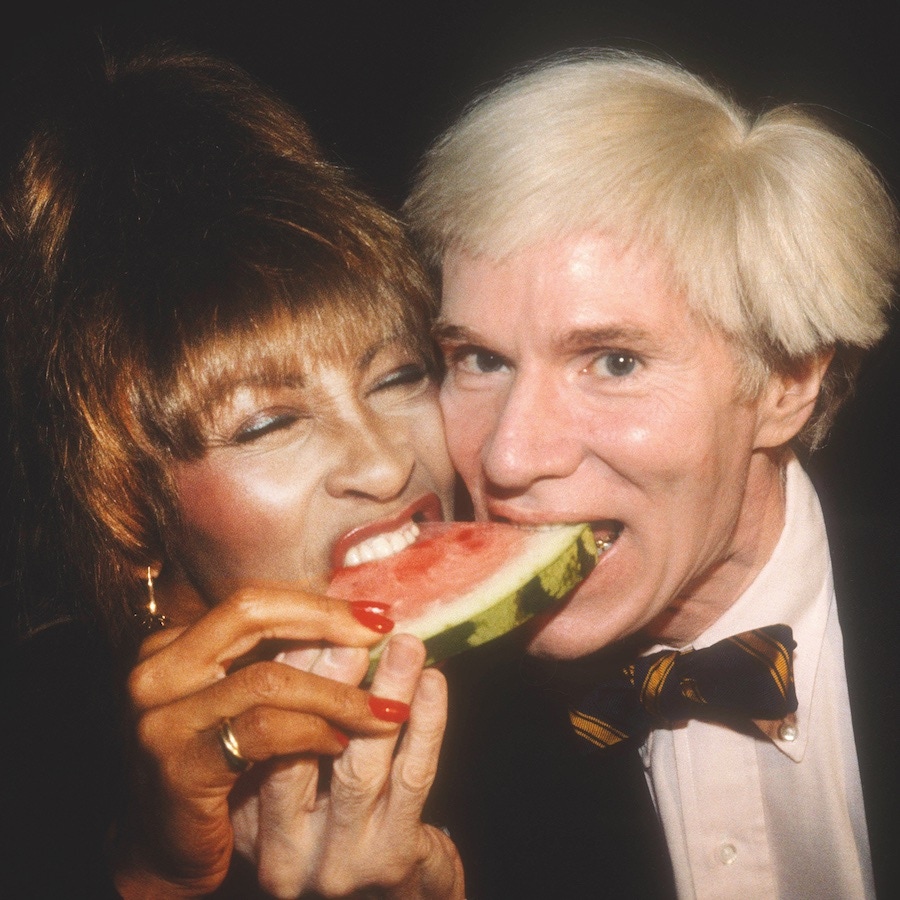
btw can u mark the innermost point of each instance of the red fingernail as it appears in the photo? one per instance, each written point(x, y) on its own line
point(340, 737)
point(389, 710)
point(369, 614)
point(371, 606)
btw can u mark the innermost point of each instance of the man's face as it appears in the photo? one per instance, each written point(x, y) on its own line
point(581, 388)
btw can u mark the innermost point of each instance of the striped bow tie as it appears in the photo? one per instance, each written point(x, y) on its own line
point(749, 674)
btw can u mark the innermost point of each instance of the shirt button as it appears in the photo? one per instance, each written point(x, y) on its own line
point(788, 732)
point(727, 854)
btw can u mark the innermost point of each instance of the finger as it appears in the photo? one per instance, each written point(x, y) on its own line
point(194, 764)
point(244, 811)
point(285, 842)
point(275, 711)
point(302, 658)
point(415, 766)
point(362, 771)
point(345, 664)
point(275, 685)
point(399, 668)
point(204, 652)
point(160, 639)
point(263, 733)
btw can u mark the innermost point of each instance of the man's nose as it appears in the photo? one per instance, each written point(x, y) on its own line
point(371, 460)
point(533, 437)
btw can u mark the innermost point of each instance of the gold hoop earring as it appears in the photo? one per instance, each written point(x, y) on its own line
point(151, 618)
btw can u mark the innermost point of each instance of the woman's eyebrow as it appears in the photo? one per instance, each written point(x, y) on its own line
point(293, 379)
point(367, 357)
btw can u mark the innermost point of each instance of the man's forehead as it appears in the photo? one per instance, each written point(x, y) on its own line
point(582, 291)
point(574, 246)
point(582, 264)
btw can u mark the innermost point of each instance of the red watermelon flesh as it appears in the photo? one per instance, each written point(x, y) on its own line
point(463, 583)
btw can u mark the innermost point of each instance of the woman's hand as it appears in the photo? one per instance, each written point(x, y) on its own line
point(365, 831)
point(179, 841)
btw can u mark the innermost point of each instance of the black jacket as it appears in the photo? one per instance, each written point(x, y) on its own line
point(534, 818)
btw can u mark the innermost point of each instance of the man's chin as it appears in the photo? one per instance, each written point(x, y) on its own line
point(555, 636)
point(582, 625)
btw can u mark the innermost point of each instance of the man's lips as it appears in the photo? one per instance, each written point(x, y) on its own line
point(425, 509)
point(605, 530)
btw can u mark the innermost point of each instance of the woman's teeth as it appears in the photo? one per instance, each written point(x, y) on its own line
point(382, 545)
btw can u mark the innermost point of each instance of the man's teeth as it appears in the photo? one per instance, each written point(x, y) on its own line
point(605, 534)
point(382, 545)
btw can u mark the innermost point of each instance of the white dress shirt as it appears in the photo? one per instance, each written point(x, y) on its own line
point(781, 816)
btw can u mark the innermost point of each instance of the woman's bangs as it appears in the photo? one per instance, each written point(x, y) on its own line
point(275, 345)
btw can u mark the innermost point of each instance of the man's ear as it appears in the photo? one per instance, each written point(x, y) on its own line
point(788, 400)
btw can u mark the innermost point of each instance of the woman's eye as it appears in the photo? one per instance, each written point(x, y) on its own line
point(477, 361)
point(262, 424)
point(411, 374)
point(615, 363)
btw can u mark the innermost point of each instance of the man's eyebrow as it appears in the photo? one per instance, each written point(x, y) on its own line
point(575, 340)
point(625, 336)
point(453, 334)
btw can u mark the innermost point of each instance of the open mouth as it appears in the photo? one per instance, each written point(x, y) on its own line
point(377, 540)
point(606, 531)
point(382, 545)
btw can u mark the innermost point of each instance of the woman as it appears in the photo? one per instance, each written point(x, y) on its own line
point(220, 383)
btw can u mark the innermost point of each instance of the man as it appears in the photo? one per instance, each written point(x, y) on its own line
point(652, 300)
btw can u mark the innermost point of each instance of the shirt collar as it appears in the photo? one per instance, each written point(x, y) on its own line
point(794, 587)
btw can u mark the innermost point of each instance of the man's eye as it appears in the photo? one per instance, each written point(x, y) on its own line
point(478, 361)
point(615, 363)
point(262, 424)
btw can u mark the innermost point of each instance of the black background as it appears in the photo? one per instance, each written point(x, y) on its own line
point(378, 80)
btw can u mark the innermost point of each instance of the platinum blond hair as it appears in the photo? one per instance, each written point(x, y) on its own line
point(777, 229)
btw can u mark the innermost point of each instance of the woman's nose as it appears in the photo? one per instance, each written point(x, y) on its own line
point(373, 459)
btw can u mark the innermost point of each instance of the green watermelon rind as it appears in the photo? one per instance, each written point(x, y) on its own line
point(564, 556)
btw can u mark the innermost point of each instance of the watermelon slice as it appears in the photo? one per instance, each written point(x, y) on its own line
point(462, 584)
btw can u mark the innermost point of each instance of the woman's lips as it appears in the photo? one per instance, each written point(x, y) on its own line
point(425, 509)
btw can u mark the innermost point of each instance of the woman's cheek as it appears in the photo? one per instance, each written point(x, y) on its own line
point(467, 428)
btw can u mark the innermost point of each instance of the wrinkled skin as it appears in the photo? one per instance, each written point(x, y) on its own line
point(582, 387)
point(366, 829)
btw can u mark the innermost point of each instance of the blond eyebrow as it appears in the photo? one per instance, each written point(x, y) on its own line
point(455, 334)
point(572, 341)
point(626, 336)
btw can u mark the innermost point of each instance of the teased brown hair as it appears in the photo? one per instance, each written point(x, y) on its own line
point(169, 228)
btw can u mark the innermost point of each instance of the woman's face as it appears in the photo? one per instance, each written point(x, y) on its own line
point(338, 460)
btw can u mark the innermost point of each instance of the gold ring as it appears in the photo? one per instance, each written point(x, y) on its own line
point(230, 748)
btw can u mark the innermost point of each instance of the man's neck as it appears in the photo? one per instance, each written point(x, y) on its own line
point(759, 525)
